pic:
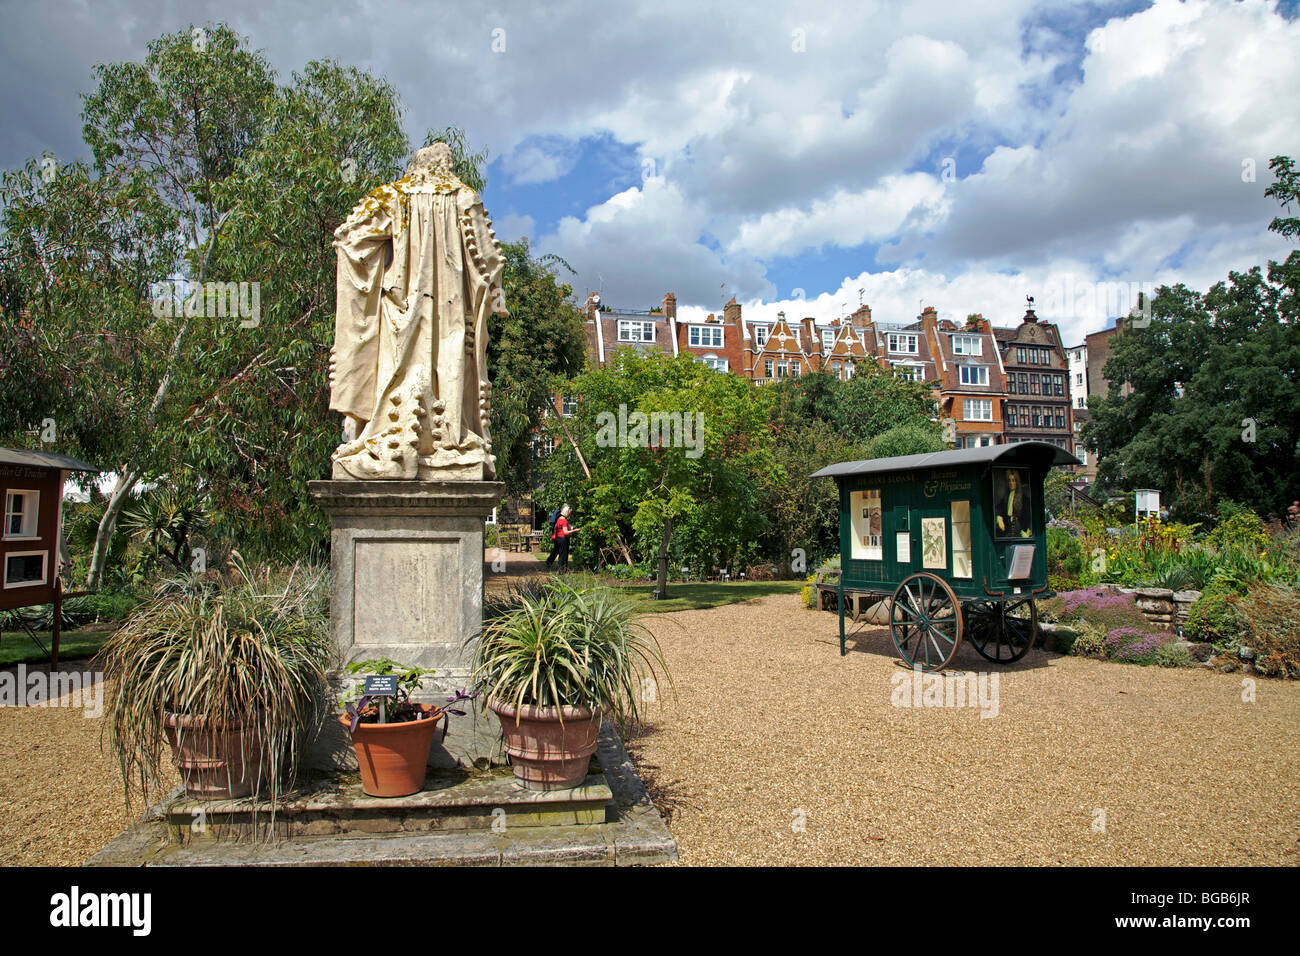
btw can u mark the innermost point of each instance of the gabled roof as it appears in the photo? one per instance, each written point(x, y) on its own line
point(43, 459)
point(1025, 451)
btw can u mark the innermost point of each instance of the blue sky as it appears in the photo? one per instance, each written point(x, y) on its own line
point(958, 156)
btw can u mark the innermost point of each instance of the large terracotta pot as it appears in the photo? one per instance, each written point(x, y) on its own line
point(545, 753)
point(394, 757)
point(216, 761)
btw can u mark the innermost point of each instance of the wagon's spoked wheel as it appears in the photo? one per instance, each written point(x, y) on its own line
point(925, 621)
point(1002, 631)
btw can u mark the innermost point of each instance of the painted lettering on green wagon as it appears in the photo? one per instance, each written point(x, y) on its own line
point(945, 482)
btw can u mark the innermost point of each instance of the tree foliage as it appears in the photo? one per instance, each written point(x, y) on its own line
point(649, 488)
point(208, 168)
point(1214, 410)
point(540, 343)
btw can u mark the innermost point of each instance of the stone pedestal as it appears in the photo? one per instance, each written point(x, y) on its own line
point(406, 569)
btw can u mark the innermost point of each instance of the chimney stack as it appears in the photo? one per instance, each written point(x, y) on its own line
point(670, 306)
point(862, 317)
point(812, 341)
point(731, 312)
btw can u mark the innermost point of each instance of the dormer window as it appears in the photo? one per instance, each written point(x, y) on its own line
point(828, 339)
point(902, 342)
point(974, 374)
point(967, 345)
point(760, 334)
point(705, 336)
point(633, 331)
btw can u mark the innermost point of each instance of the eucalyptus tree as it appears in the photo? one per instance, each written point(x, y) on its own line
point(662, 449)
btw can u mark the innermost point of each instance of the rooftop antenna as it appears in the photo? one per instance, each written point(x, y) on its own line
point(860, 293)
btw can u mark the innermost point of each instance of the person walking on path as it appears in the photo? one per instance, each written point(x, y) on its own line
point(555, 516)
point(561, 537)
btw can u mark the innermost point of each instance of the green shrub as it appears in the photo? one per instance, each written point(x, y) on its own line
point(830, 564)
point(1091, 642)
point(1271, 615)
point(1065, 640)
point(1175, 655)
point(1064, 553)
point(1239, 528)
point(113, 606)
point(1215, 618)
point(906, 440)
point(809, 592)
point(1059, 583)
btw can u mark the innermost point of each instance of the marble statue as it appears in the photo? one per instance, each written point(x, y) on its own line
point(419, 270)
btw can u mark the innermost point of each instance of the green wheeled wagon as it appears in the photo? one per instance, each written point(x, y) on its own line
point(956, 539)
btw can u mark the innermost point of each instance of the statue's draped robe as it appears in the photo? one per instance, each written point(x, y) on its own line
point(419, 270)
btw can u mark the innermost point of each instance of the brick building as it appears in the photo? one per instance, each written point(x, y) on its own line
point(991, 384)
point(1038, 396)
point(969, 378)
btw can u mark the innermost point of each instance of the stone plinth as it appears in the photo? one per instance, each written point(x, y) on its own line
point(406, 570)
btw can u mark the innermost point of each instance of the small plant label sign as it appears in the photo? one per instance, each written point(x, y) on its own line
point(384, 685)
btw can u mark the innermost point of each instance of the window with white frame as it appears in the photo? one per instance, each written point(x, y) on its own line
point(767, 368)
point(760, 334)
point(569, 406)
point(715, 363)
point(26, 569)
point(913, 373)
point(630, 330)
point(849, 369)
point(780, 369)
point(902, 342)
point(974, 374)
point(967, 345)
point(977, 409)
point(705, 336)
point(21, 509)
point(828, 339)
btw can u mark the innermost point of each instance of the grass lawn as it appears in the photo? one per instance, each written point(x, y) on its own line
point(17, 648)
point(697, 595)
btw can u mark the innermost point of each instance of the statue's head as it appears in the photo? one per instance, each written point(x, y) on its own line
point(435, 158)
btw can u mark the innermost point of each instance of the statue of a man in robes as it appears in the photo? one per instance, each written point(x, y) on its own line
point(419, 271)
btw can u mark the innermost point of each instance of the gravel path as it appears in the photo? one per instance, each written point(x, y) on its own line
point(775, 750)
point(60, 797)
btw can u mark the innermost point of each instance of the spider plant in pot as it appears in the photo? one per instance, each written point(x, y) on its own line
point(392, 734)
point(552, 664)
point(230, 676)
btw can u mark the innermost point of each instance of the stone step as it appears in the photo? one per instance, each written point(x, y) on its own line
point(626, 830)
point(335, 805)
point(628, 843)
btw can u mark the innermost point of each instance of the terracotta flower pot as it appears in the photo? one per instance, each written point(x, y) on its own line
point(547, 754)
point(394, 757)
point(216, 762)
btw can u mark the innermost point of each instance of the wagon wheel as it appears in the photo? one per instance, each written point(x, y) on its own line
point(925, 621)
point(1002, 631)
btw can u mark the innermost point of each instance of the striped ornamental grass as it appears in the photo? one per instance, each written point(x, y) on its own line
point(256, 651)
point(569, 643)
